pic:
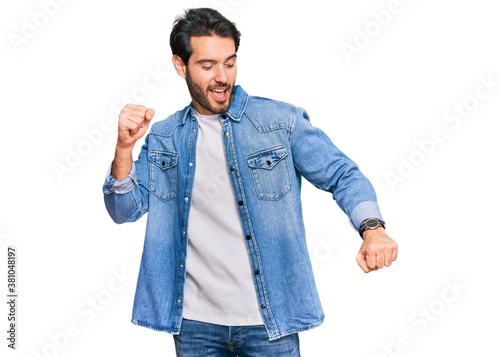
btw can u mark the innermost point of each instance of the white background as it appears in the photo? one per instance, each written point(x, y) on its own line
point(77, 65)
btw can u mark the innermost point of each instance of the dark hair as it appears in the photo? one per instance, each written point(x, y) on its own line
point(200, 22)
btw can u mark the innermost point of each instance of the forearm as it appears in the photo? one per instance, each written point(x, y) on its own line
point(122, 163)
point(126, 200)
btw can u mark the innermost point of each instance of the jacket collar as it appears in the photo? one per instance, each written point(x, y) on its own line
point(236, 108)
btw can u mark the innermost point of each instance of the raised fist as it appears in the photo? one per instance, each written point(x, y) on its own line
point(132, 124)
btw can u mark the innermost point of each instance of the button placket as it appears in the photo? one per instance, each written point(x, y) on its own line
point(251, 246)
point(185, 207)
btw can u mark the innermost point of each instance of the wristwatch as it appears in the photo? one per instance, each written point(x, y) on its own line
point(370, 223)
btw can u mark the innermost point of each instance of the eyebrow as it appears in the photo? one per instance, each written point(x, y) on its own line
point(210, 60)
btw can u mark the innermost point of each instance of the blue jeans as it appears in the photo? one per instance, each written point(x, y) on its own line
point(202, 339)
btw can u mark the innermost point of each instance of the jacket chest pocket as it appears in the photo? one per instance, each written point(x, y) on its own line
point(270, 173)
point(163, 174)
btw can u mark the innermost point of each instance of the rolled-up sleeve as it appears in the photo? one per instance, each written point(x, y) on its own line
point(127, 200)
point(364, 210)
point(112, 185)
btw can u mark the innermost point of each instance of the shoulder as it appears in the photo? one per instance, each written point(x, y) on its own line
point(267, 113)
point(167, 126)
point(274, 106)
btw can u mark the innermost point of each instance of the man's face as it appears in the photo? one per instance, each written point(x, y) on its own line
point(211, 73)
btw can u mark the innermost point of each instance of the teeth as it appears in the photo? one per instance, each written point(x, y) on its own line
point(219, 90)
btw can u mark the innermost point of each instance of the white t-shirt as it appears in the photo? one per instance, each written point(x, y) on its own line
point(219, 285)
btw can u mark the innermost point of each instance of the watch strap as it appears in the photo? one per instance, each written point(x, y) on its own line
point(364, 227)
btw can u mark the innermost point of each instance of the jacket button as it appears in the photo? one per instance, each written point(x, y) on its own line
point(226, 133)
point(224, 116)
point(163, 163)
point(248, 237)
point(240, 203)
point(232, 168)
point(178, 300)
point(263, 306)
point(268, 163)
point(256, 272)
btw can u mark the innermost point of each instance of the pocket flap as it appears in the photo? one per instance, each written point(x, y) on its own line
point(163, 159)
point(266, 159)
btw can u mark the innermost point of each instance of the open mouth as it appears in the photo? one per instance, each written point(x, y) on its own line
point(219, 94)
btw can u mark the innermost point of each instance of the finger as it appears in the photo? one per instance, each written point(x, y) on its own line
point(127, 126)
point(371, 258)
point(140, 112)
point(135, 118)
point(395, 253)
point(132, 106)
point(362, 263)
point(133, 124)
point(133, 109)
point(147, 117)
point(388, 259)
point(134, 130)
point(150, 113)
point(380, 258)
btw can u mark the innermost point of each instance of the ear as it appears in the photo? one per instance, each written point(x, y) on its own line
point(179, 66)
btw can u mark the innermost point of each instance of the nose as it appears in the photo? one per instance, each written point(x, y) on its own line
point(220, 74)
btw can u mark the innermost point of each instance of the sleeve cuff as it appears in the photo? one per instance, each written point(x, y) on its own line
point(364, 210)
point(112, 185)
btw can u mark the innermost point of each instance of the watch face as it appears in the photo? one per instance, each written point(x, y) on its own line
point(372, 223)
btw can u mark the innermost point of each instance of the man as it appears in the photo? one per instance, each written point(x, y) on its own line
point(225, 267)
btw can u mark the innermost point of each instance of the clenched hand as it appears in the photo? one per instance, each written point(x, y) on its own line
point(133, 123)
point(377, 250)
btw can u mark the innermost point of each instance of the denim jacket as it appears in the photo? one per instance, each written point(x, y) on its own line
point(268, 146)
